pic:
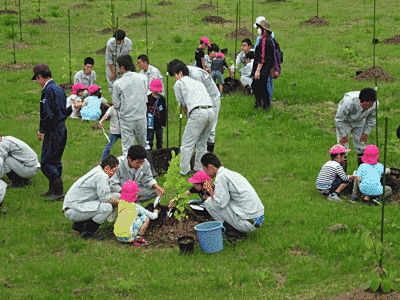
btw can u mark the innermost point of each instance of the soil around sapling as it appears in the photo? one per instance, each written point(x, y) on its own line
point(215, 20)
point(19, 45)
point(242, 33)
point(360, 294)
point(8, 12)
point(105, 31)
point(139, 14)
point(316, 21)
point(271, 1)
point(16, 67)
point(38, 21)
point(80, 6)
point(374, 72)
point(205, 7)
point(392, 40)
point(162, 3)
point(101, 51)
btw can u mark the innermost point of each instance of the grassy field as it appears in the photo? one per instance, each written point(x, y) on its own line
point(280, 152)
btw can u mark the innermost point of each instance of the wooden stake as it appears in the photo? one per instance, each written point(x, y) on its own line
point(12, 28)
point(69, 46)
point(20, 22)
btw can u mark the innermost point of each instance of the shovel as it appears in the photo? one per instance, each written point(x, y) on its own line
point(105, 134)
point(157, 201)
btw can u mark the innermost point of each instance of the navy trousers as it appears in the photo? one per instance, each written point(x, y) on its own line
point(52, 150)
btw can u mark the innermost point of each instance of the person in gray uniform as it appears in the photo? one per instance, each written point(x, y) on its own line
point(150, 71)
point(18, 161)
point(116, 46)
point(197, 105)
point(135, 166)
point(130, 99)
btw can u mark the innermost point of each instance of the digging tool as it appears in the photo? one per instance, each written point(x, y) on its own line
point(105, 134)
point(157, 201)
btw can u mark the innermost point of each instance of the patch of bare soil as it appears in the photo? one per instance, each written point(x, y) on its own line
point(372, 73)
point(8, 12)
point(38, 21)
point(215, 20)
point(360, 294)
point(83, 6)
point(67, 86)
point(392, 40)
point(205, 7)
point(16, 67)
point(163, 3)
point(107, 30)
point(101, 51)
point(137, 15)
point(241, 34)
point(270, 1)
point(317, 21)
point(19, 45)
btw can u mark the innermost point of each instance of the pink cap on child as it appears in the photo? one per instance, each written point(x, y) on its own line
point(93, 88)
point(371, 155)
point(336, 149)
point(199, 177)
point(205, 40)
point(129, 191)
point(220, 55)
point(78, 86)
point(156, 85)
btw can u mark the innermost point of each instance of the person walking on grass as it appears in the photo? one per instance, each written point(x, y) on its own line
point(235, 201)
point(52, 130)
point(356, 115)
point(89, 202)
point(332, 178)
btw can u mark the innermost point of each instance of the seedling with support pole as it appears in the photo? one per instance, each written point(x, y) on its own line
point(166, 102)
point(20, 22)
point(236, 38)
point(145, 14)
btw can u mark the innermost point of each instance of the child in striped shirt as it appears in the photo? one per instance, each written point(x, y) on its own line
point(332, 178)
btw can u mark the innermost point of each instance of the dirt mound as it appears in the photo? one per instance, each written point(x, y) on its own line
point(241, 33)
point(392, 40)
point(316, 21)
point(66, 86)
point(215, 20)
point(270, 1)
point(359, 293)
point(205, 7)
point(16, 67)
point(80, 6)
point(138, 15)
point(371, 73)
point(38, 21)
point(101, 51)
point(19, 45)
point(8, 12)
point(163, 3)
point(107, 30)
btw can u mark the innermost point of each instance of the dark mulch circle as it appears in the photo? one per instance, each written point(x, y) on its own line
point(139, 14)
point(19, 45)
point(83, 6)
point(372, 73)
point(205, 7)
point(317, 21)
point(107, 30)
point(163, 3)
point(241, 33)
point(38, 21)
point(215, 20)
point(392, 40)
point(101, 51)
point(360, 294)
point(16, 67)
point(8, 12)
point(66, 86)
point(270, 1)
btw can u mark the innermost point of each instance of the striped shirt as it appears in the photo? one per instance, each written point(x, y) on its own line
point(328, 173)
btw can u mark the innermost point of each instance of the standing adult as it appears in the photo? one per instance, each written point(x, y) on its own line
point(52, 130)
point(356, 114)
point(116, 46)
point(235, 201)
point(197, 105)
point(18, 161)
point(149, 71)
point(130, 98)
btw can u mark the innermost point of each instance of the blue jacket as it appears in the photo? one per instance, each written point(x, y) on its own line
point(53, 111)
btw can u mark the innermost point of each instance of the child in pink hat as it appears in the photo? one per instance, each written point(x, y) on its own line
point(133, 219)
point(75, 100)
point(332, 178)
point(91, 109)
point(202, 185)
point(368, 180)
point(199, 53)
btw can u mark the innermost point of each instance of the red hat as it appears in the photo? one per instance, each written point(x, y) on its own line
point(93, 88)
point(338, 149)
point(156, 85)
point(371, 155)
point(38, 68)
point(129, 191)
point(199, 177)
point(78, 86)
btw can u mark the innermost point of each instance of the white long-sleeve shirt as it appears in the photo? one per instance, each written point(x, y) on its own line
point(87, 80)
point(205, 78)
point(114, 51)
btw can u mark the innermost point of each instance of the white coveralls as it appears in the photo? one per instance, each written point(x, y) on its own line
point(193, 95)
point(153, 73)
point(245, 74)
point(351, 118)
point(142, 176)
point(235, 201)
point(113, 51)
point(130, 98)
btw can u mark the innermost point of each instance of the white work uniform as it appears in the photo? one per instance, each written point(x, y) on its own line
point(86, 80)
point(113, 51)
point(153, 73)
point(245, 74)
point(130, 98)
point(193, 95)
point(352, 118)
point(17, 156)
point(235, 201)
point(87, 198)
point(142, 176)
point(212, 89)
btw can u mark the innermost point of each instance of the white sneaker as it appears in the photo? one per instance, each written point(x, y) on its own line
point(334, 197)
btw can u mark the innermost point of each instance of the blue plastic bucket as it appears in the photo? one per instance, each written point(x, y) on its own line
point(210, 236)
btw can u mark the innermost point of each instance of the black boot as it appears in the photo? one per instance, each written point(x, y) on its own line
point(50, 191)
point(78, 226)
point(232, 232)
point(58, 189)
point(89, 229)
point(16, 180)
point(210, 147)
point(2, 210)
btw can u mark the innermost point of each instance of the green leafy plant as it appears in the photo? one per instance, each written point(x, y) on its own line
point(357, 60)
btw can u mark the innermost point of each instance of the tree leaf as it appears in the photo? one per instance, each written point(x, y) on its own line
point(375, 283)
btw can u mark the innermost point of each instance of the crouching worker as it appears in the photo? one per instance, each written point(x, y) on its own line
point(235, 201)
point(368, 177)
point(332, 178)
point(133, 219)
point(89, 201)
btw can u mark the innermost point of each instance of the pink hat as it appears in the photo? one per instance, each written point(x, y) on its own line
point(220, 55)
point(371, 155)
point(199, 177)
point(336, 149)
point(78, 86)
point(129, 191)
point(205, 40)
point(93, 88)
point(156, 85)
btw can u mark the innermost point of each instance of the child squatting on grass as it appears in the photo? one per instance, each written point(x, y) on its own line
point(75, 100)
point(133, 219)
point(91, 106)
point(332, 179)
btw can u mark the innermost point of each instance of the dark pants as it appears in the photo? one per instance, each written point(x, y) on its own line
point(52, 150)
point(159, 137)
point(261, 93)
point(336, 183)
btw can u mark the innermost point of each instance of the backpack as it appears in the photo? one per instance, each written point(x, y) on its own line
point(278, 59)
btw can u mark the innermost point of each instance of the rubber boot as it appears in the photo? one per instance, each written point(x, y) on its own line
point(16, 180)
point(89, 229)
point(210, 147)
point(58, 189)
point(50, 191)
point(78, 226)
point(232, 232)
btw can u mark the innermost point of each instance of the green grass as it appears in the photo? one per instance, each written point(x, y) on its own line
point(280, 152)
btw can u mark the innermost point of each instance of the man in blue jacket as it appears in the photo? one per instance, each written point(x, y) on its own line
point(52, 130)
